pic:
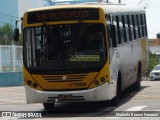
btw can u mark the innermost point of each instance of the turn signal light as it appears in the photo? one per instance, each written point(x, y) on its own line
point(96, 82)
point(102, 79)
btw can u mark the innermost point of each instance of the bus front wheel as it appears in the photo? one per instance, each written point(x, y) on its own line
point(49, 106)
point(115, 100)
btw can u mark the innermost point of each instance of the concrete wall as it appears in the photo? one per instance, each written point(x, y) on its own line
point(11, 79)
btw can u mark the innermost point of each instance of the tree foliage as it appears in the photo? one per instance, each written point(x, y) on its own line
point(6, 35)
point(153, 61)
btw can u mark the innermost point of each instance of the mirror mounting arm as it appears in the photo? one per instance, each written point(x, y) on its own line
point(16, 30)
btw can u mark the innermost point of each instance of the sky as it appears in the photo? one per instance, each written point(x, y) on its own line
point(8, 11)
point(152, 14)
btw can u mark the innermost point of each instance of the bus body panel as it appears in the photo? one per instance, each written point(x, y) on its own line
point(64, 82)
point(128, 66)
point(100, 93)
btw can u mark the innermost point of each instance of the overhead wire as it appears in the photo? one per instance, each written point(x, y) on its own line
point(7, 18)
point(8, 15)
point(157, 3)
point(154, 4)
point(150, 19)
point(140, 2)
point(149, 12)
point(152, 33)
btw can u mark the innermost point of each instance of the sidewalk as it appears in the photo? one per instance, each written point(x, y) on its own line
point(12, 95)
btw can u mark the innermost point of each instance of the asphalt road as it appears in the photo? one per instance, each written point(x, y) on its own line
point(133, 105)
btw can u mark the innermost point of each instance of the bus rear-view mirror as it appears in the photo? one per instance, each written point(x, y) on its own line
point(16, 34)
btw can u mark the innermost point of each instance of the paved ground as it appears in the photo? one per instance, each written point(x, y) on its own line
point(12, 95)
point(146, 100)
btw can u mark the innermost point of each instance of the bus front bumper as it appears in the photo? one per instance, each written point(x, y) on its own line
point(96, 94)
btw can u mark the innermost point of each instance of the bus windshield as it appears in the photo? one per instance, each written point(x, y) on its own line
point(67, 47)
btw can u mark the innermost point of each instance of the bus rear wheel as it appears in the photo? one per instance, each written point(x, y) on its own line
point(137, 84)
point(49, 106)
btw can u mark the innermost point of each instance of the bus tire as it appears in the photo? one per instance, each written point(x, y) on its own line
point(116, 99)
point(137, 84)
point(49, 106)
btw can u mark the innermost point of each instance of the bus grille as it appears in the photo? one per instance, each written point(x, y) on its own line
point(64, 78)
point(74, 98)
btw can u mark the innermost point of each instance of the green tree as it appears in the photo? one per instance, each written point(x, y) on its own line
point(6, 34)
point(153, 61)
point(1, 36)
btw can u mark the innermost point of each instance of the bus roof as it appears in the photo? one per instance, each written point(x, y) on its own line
point(108, 8)
point(113, 9)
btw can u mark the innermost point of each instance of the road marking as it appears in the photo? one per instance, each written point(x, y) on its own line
point(135, 108)
point(97, 113)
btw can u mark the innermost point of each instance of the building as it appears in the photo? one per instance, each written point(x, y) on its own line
point(11, 10)
point(154, 45)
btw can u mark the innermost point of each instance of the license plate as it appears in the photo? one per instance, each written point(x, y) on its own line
point(65, 97)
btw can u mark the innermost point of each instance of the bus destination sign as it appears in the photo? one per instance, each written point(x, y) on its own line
point(63, 15)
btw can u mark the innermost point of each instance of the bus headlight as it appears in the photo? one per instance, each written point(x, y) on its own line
point(34, 85)
point(29, 82)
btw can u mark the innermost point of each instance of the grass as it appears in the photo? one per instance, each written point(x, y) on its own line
point(11, 69)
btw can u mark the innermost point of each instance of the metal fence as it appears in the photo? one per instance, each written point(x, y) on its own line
point(11, 58)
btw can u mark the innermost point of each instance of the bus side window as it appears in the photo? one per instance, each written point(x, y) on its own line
point(131, 27)
point(126, 28)
point(118, 29)
point(140, 25)
point(121, 29)
point(145, 27)
point(108, 25)
point(114, 36)
point(124, 31)
point(135, 26)
point(114, 32)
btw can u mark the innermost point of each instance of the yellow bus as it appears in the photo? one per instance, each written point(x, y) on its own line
point(85, 52)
